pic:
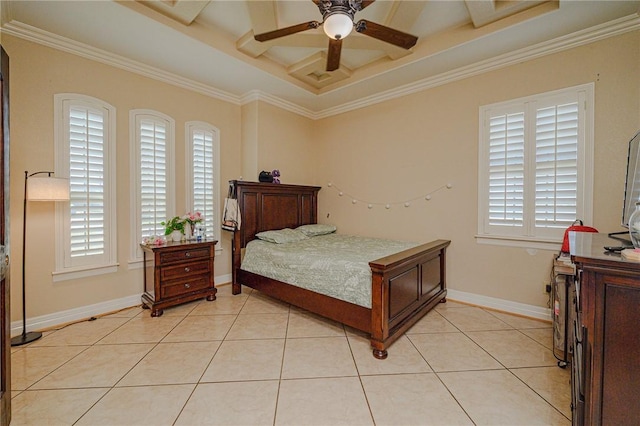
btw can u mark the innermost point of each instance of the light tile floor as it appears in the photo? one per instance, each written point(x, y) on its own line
point(250, 360)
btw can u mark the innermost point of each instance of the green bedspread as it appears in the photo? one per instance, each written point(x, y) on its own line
point(335, 265)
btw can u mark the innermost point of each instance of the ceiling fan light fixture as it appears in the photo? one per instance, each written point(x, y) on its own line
point(338, 25)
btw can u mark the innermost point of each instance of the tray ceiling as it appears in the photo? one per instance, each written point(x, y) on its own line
point(303, 55)
point(209, 45)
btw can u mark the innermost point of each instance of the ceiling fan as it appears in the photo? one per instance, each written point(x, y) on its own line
point(337, 22)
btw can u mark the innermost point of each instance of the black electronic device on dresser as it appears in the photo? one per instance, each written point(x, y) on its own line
point(605, 379)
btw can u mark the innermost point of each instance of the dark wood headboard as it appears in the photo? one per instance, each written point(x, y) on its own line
point(267, 206)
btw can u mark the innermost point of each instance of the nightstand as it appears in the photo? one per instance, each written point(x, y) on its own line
point(177, 272)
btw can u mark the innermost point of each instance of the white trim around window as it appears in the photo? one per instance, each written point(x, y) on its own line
point(85, 150)
point(202, 143)
point(535, 167)
point(152, 140)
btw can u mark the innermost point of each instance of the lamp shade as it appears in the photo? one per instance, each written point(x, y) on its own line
point(47, 189)
point(338, 25)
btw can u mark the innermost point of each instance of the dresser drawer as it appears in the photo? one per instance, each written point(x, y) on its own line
point(177, 288)
point(184, 270)
point(182, 255)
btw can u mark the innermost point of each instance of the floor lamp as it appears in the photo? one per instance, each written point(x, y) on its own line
point(39, 189)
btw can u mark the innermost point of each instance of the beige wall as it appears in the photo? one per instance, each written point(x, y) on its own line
point(393, 151)
point(273, 138)
point(37, 73)
point(250, 135)
point(408, 147)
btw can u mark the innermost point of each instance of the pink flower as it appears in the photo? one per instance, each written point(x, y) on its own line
point(193, 217)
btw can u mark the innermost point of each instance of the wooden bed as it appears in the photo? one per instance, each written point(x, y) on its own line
point(405, 285)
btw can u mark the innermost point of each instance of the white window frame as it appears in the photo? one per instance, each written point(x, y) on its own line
point(190, 128)
point(135, 118)
point(66, 267)
point(530, 236)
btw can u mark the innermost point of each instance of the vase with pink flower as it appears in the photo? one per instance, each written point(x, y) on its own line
point(191, 220)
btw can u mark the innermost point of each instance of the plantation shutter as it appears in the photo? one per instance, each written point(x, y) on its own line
point(86, 184)
point(153, 176)
point(535, 167)
point(506, 170)
point(556, 180)
point(203, 173)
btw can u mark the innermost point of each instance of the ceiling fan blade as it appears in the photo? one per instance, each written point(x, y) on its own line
point(389, 35)
point(287, 31)
point(333, 54)
point(365, 3)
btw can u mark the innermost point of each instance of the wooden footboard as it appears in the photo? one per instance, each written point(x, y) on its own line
point(406, 286)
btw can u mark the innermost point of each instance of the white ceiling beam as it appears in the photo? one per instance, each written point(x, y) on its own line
point(404, 14)
point(484, 12)
point(263, 15)
point(183, 11)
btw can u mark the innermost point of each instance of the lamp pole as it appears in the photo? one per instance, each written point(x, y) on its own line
point(25, 337)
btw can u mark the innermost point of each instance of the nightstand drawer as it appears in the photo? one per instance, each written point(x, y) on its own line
point(182, 255)
point(184, 270)
point(178, 288)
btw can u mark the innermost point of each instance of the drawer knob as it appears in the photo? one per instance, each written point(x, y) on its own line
point(187, 286)
point(187, 254)
point(187, 269)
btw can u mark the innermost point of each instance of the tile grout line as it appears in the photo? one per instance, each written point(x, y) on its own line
point(287, 337)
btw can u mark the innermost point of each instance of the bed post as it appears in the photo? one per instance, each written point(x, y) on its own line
point(379, 314)
point(236, 259)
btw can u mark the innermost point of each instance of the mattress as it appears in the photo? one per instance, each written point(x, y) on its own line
point(335, 265)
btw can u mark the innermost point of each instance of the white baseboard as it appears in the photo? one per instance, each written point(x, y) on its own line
point(223, 279)
point(500, 304)
point(75, 314)
point(84, 312)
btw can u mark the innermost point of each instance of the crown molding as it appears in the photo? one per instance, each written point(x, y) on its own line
point(570, 41)
point(45, 38)
point(259, 95)
point(579, 38)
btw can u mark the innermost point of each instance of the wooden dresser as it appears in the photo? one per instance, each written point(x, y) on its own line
point(605, 381)
point(175, 273)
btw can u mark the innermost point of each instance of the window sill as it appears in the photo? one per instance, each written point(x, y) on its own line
point(536, 244)
point(72, 274)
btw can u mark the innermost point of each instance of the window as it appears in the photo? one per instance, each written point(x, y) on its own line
point(535, 167)
point(152, 170)
point(85, 148)
point(203, 181)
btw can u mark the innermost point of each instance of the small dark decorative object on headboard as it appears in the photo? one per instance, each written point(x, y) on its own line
point(265, 177)
point(276, 176)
